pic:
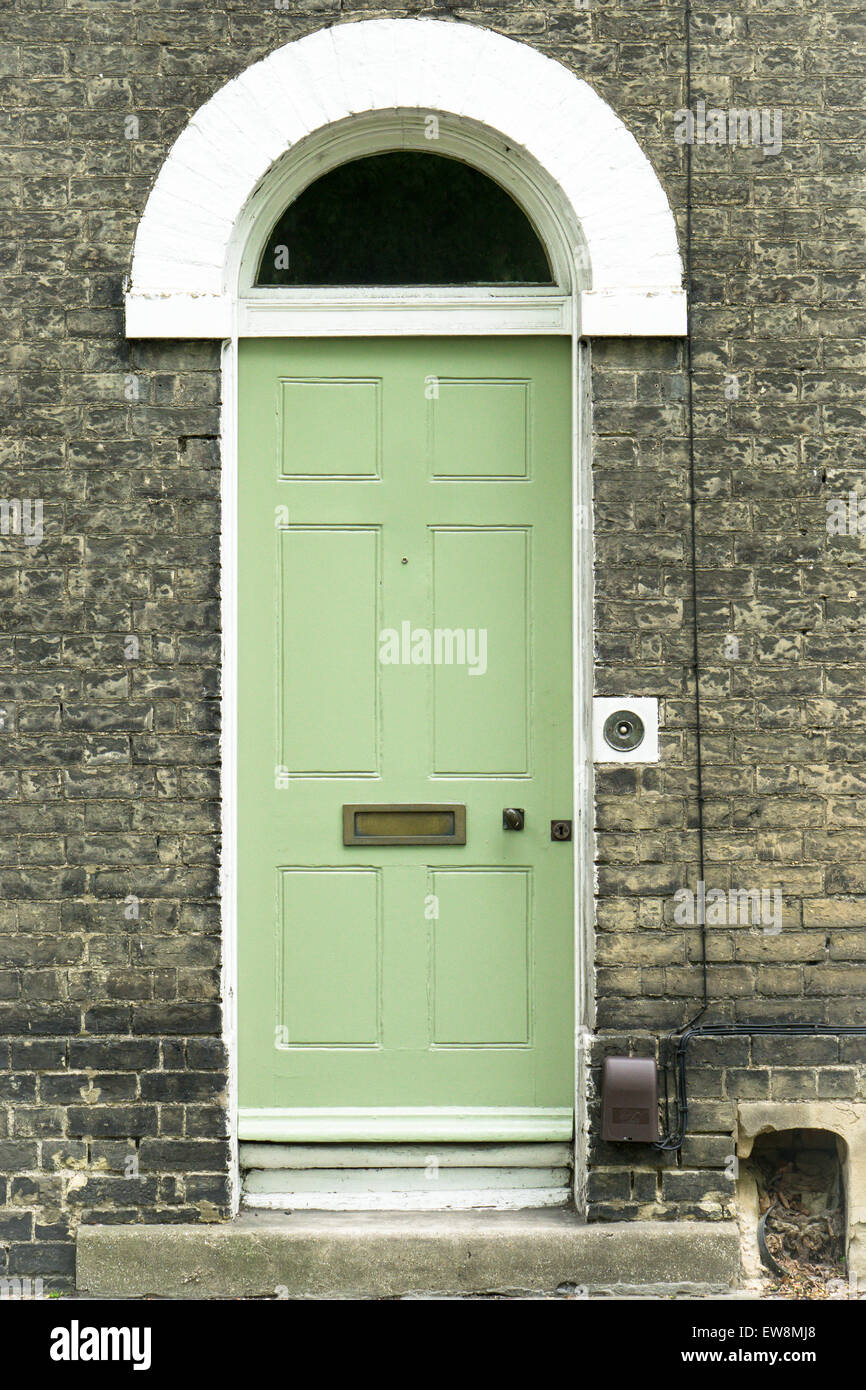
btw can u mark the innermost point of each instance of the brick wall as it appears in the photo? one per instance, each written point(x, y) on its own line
point(779, 356)
point(112, 1073)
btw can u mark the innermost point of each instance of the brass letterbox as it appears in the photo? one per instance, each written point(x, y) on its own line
point(413, 824)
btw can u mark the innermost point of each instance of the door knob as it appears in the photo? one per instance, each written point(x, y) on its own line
point(513, 818)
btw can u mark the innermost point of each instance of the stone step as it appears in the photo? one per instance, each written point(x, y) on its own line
point(386, 1254)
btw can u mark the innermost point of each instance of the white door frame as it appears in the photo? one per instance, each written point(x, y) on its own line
point(563, 155)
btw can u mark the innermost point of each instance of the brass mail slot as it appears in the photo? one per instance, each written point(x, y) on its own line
point(414, 824)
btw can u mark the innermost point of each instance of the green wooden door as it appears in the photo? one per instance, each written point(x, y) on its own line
point(404, 637)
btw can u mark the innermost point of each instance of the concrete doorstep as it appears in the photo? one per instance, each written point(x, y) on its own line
point(388, 1254)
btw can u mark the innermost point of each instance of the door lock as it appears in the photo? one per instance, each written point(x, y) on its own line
point(513, 818)
point(560, 830)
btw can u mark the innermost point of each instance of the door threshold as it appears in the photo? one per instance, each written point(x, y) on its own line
point(512, 1199)
point(406, 1177)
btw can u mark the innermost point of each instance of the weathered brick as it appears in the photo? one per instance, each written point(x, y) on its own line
point(703, 1185)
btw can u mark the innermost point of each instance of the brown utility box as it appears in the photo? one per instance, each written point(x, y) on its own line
point(629, 1094)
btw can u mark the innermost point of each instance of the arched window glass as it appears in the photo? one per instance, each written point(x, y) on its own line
point(404, 218)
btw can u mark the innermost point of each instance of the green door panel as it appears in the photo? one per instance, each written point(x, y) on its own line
point(404, 637)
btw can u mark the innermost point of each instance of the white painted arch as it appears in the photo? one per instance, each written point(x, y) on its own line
point(612, 208)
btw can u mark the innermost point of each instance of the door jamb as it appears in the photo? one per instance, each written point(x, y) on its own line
point(582, 647)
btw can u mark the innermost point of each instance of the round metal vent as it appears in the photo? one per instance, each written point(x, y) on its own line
point(623, 730)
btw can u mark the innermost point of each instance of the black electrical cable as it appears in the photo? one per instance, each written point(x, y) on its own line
point(675, 1135)
point(696, 669)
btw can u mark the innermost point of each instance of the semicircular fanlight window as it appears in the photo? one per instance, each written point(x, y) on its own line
point(404, 218)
